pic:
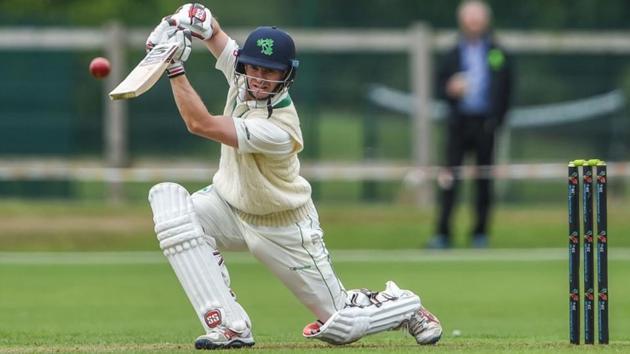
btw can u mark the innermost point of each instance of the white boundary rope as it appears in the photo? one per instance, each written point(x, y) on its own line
point(340, 256)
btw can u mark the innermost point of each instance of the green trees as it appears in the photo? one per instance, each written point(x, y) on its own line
point(522, 14)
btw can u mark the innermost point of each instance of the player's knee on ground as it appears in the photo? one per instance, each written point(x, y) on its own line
point(366, 313)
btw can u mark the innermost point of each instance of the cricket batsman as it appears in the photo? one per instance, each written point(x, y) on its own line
point(258, 200)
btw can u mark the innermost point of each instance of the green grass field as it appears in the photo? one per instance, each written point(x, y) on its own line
point(501, 301)
point(93, 295)
point(77, 226)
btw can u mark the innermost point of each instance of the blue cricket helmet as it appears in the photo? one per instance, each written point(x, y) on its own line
point(269, 47)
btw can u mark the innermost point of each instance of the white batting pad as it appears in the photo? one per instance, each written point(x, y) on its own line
point(368, 313)
point(193, 259)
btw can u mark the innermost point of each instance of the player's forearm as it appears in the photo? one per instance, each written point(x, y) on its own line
point(196, 116)
point(219, 39)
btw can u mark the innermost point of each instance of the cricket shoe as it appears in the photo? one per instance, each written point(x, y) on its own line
point(224, 338)
point(425, 327)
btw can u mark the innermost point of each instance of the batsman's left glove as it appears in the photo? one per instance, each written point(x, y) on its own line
point(196, 18)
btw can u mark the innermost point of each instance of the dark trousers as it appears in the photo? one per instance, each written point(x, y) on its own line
point(466, 134)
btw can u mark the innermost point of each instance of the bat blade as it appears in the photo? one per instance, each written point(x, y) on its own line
point(146, 73)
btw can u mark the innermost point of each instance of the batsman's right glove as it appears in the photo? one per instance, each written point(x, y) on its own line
point(184, 46)
point(161, 33)
point(168, 31)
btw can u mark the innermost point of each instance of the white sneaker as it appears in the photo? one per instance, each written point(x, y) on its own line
point(425, 327)
point(224, 338)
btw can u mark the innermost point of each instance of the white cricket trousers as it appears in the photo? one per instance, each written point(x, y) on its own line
point(295, 253)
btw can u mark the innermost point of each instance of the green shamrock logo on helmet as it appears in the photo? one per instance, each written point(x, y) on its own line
point(266, 44)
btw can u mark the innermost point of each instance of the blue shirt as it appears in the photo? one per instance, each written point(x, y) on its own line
point(473, 58)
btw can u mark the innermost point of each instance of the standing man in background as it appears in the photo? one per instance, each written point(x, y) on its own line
point(475, 79)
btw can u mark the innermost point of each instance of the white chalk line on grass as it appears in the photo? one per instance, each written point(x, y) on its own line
point(340, 256)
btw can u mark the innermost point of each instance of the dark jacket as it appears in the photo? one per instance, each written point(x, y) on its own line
point(501, 80)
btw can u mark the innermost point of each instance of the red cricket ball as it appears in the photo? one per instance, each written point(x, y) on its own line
point(100, 67)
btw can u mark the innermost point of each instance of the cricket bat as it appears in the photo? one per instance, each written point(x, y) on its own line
point(146, 73)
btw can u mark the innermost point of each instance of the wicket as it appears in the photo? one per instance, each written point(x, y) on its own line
point(574, 250)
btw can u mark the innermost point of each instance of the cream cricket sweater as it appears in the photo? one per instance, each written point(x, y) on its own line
point(264, 189)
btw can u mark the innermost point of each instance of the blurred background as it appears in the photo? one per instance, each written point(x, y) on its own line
point(372, 128)
point(80, 268)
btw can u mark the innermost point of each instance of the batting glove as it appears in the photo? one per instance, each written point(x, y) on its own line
point(184, 46)
point(196, 18)
point(161, 33)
